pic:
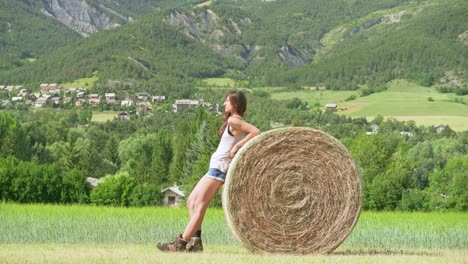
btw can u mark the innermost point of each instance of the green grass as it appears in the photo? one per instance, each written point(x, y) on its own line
point(77, 234)
point(103, 116)
point(81, 83)
point(315, 96)
point(392, 231)
point(219, 82)
point(402, 100)
point(129, 253)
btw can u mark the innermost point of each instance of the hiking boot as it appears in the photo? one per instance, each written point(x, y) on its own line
point(179, 245)
point(195, 245)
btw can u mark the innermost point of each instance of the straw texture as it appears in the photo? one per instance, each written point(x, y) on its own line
point(294, 190)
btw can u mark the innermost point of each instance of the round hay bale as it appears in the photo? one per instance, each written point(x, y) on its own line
point(293, 190)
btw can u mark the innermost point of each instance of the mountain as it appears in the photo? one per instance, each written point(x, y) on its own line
point(26, 34)
point(87, 17)
point(146, 50)
point(336, 43)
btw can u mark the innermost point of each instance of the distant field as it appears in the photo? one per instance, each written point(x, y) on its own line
point(318, 96)
point(81, 83)
point(402, 100)
point(103, 116)
point(206, 3)
point(219, 82)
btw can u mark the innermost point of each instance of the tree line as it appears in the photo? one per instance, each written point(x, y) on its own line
point(47, 155)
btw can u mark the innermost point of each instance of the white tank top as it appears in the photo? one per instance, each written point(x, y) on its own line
point(220, 159)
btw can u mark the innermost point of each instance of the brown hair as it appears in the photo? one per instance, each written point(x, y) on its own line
point(239, 101)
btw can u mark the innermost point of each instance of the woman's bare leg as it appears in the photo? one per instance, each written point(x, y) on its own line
point(198, 201)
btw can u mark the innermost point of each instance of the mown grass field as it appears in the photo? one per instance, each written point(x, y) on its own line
point(83, 82)
point(56, 233)
point(402, 100)
point(103, 116)
point(219, 82)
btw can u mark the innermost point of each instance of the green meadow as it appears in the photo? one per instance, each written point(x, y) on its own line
point(53, 233)
point(219, 82)
point(402, 100)
point(83, 82)
point(103, 116)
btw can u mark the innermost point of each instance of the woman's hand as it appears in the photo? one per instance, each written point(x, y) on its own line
point(239, 126)
point(233, 151)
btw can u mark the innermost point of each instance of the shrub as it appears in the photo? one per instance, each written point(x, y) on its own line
point(350, 98)
point(146, 195)
point(75, 188)
point(114, 190)
point(414, 200)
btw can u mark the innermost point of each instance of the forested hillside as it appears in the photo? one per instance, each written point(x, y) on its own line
point(337, 44)
point(148, 53)
point(26, 35)
point(422, 46)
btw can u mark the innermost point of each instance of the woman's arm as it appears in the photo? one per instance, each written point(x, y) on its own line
point(240, 126)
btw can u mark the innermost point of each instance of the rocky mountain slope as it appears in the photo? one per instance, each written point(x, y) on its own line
point(339, 44)
point(83, 17)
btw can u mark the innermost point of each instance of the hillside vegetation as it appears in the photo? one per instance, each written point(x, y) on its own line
point(26, 35)
point(337, 44)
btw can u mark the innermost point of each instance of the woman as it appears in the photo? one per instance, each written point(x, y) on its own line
point(232, 139)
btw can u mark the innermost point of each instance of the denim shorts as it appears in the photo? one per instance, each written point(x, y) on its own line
point(216, 174)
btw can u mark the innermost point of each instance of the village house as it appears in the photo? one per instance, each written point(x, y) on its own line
point(36, 95)
point(16, 98)
point(55, 100)
point(123, 116)
point(144, 106)
point(49, 87)
point(173, 196)
point(331, 107)
point(407, 133)
point(375, 130)
point(54, 92)
point(67, 100)
point(44, 87)
point(94, 99)
point(23, 93)
point(439, 128)
point(159, 99)
point(127, 102)
point(110, 98)
point(2, 87)
point(185, 103)
point(143, 96)
point(70, 90)
point(9, 88)
point(80, 94)
point(28, 102)
point(41, 102)
point(80, 102)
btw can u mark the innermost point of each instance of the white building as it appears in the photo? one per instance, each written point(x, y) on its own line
point(185, 103)
point(40, 102)
point(172, 195)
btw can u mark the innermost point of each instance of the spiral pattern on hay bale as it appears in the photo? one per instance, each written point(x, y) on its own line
point(294, 190)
